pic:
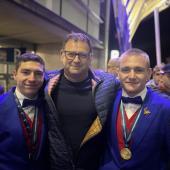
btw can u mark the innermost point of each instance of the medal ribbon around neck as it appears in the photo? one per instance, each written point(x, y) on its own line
point(127, 136)
point(32, 133)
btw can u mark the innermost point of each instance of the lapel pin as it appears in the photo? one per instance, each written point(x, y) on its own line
point(146, 111)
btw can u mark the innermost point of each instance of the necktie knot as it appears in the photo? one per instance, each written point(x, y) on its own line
point(28, 102)
point(134, 100)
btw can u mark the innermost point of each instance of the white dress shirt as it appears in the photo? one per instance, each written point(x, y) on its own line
point(30, 110)
point(132, 108)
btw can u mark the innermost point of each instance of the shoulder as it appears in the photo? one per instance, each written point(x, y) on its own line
point(52, 73)
point(158, 94)
point(102, 75)
point(159, 98)
point(162, 94)
point(108, 80)
point(5, 97)
point(108, 84)
point(7, 103)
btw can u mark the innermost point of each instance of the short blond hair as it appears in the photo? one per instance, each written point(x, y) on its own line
point(136, 52)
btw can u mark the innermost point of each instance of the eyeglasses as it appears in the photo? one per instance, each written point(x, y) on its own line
point(72, 54)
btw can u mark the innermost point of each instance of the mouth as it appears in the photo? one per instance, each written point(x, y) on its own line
point(133, 83)
point(31, 86)
point(76, 67)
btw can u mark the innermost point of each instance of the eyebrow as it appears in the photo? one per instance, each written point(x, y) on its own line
point(132, 67)
point(26, 69)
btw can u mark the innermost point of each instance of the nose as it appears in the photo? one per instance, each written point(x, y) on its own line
point(77, 58)
point(32, 76)
point(132, 74)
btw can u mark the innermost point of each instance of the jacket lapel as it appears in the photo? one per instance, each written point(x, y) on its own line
point(147, 116)
point(42, 144)
point(12, 110)
point(113, 144)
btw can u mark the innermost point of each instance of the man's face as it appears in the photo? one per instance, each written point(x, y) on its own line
point(133, 74)
point(76, 59)
point(156, 77)
point(29, 78)
point(112, 69)
point(113, 66)
point(164, 84)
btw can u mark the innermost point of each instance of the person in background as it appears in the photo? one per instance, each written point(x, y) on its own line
point(79, 100)
point(153, 83)
point(113, 66)
point(164, 83)
point(1, 89)
point(138, 131)
point(22, 118)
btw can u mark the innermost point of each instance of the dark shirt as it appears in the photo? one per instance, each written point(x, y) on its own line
point(76, 108)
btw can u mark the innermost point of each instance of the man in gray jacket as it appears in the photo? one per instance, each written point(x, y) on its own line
point(79, 101)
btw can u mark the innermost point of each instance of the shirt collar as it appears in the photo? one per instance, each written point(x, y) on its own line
point(21, 97)
point(142, 93)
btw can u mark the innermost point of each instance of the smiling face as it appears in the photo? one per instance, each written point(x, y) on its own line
point(76, 59)
point(134, 73)
point(29, 78)
point(157, 77)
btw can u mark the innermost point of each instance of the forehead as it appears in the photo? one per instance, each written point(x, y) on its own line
point(133, 61)
point(31, 65)
point(113, 64)
point(76, 45)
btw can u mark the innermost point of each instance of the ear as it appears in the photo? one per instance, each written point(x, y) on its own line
point(91, 57)
point(118, 72)
point(149, 73)
point(14, 73)
point(61, 54)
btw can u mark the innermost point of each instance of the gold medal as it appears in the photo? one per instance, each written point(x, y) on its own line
point(125, 153)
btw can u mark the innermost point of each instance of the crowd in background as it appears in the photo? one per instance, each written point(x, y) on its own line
point(160, 79)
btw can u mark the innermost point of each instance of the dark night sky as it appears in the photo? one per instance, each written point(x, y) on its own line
point(145, 36)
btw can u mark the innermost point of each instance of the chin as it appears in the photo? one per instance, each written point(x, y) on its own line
point(31, 93)
point(131, 92)
point(75, 72)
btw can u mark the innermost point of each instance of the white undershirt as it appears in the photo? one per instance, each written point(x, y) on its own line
point(132, 108)
point(30, 110)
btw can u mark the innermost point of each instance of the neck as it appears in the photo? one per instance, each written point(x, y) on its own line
point(77, 78)
point(141, 93)
point(19, 93)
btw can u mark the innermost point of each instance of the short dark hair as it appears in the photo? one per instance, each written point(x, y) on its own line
point(28, 57)
point(78, 37)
